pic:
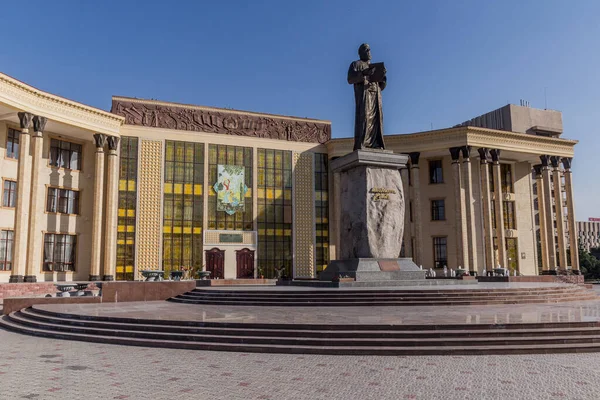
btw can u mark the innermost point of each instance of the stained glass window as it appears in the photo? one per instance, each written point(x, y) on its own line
point(274, 193)
point(229, 155)
point(127, 209)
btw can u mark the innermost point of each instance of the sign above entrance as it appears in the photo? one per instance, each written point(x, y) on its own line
point(230, 188)
point(231, 238)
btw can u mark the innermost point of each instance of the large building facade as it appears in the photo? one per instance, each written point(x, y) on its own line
point(155, 185)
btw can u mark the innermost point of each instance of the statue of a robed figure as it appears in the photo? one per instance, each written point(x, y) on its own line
point(368, 80)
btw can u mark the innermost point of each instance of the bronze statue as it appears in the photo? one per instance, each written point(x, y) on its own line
point(368, 80)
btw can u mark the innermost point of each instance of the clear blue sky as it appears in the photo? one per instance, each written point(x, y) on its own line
point(447, 61)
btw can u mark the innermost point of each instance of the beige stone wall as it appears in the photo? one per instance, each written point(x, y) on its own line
point(149, 208)
point(304, 214)
point(525, 224)
point(79, 225)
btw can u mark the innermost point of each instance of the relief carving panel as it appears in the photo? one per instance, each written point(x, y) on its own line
point(221, 122)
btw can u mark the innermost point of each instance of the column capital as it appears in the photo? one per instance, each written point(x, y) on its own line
point(466, 152)
point(555, 161)
point(495, 153)
point(39, 124)
point(25, 120)
point(545, 159)
point(567, 161)
point(484, 155)
point(537, 169)
point(113, 142)
point(414, 159)
point(100, 140)
point(455, 153)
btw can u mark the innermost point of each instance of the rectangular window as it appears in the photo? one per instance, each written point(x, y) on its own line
point(438, 210)
point(493, 212)
point(512, 253)
point(184, 205)
point(6, 250)
point(410, 211)
point(127, 209)
point(12, 144)
point(63, 201)
point(321, 175)
point(491, 171)
point(59, 252)
point(227, 155)
point(507, 181)
point(274, 202)
point(440, 252)
point(9, 196)
point(508, 209)
point(65, 154)
point(435, 171)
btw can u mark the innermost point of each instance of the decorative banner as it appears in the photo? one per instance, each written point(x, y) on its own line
point(231, 188)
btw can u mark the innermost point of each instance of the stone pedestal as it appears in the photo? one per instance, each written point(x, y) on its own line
point(371, 209)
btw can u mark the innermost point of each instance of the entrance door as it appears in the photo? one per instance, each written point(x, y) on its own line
point(245, 263)
point(215, 263)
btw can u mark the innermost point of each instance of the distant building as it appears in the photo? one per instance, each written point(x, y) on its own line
point(588, 233)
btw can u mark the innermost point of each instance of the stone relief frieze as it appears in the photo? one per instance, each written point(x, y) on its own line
point(191, 119)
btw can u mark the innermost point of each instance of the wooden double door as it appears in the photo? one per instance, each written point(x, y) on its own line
point(215, 263)
point(244, 259)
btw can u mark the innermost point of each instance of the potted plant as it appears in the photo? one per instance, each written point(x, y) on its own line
point(261, 272)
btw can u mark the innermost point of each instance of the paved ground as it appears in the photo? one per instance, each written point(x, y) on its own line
point(571, 311)
point(36, 368)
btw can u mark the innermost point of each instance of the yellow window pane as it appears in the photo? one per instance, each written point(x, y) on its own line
point(120, 241)
point(279, 232)
point(122, 185)
point(131, 228)
point(177, 229)
point(121, 228)
point(130, 241)
point(288, 232)
point(262, 232)
point(270, 232)
point(131, 186)
point(129, 268)
point(270, 194)
point(287, 194)
point(187, 230)
point(121, 212)
point(187, 188)
point(197, 231)
point(198, 190)
point(166, 229)
point(131, 213)
point(260, 193)
point(249, 193)
point(177, 188)
point(278, 193)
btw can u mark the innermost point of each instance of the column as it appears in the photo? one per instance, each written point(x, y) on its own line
point(461, 247)
point(22, 203)
point(417, 252)
point(484, 156)
point(571, 223)
point(469, 208)
point(407, 228)
point(542, 216)
point(547, 185)
point(35, 242)
point(498, 208)
point(112, 193)
point(560, 212)
point(97, 215)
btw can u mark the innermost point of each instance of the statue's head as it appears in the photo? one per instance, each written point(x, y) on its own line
point(364, 51)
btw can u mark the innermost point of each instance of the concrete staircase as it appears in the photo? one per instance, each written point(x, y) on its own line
point(350, 297)
point(340, 339)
